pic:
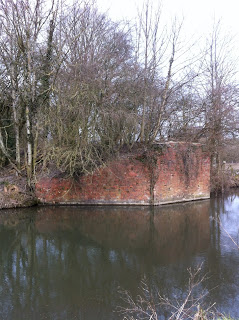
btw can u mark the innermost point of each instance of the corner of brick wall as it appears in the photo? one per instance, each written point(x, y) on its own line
point(183, 173)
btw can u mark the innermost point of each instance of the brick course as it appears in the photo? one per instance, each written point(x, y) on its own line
point(169, 172)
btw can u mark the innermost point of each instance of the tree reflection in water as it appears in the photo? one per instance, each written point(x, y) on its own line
point(67, 262)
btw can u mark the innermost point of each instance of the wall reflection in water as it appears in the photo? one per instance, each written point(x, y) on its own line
point(67, 262)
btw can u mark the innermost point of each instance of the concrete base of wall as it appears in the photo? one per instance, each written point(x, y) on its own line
point(112, 203)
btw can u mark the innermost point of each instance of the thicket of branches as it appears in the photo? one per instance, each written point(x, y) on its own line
point(76, 87)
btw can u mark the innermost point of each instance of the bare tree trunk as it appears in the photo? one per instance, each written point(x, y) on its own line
point(2, 146)
point(164, 97)
point(146, 35)
point(15, 118)
point(34, 157)
point(29, 146)
point(6, 153)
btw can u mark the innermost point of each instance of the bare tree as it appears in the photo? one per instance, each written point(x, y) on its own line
point(92, 97)
point(152, 305)
point(221, 100)
point(166, 69)
point(11, 61)
point(23, 26)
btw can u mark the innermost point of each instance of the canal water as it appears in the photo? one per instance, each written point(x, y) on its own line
point(77, 262)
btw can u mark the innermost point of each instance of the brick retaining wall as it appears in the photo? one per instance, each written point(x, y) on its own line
point(169, 172)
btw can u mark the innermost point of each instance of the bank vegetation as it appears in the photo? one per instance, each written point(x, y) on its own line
point(76, 87)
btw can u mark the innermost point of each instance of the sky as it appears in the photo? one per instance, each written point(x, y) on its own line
point(198, 14)
point(198, 17)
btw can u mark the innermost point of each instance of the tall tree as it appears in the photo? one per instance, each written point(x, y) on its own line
point(221, 99)
point(23, 26)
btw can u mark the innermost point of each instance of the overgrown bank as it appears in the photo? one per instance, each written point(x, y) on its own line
point(14, 192)
point(163, 173)
point(77, 87)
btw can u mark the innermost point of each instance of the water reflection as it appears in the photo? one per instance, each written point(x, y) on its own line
point(222, 261)
point(67, 262)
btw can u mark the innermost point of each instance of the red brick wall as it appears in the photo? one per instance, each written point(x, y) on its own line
point(183, 173)
point(172, 172)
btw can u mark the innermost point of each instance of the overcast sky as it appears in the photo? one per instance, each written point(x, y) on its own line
point(198, 14)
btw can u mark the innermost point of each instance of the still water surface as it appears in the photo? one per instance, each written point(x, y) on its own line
point(69, 262)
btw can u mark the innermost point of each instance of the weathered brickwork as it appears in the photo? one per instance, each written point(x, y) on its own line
point(171, 172)
point(183, 173)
